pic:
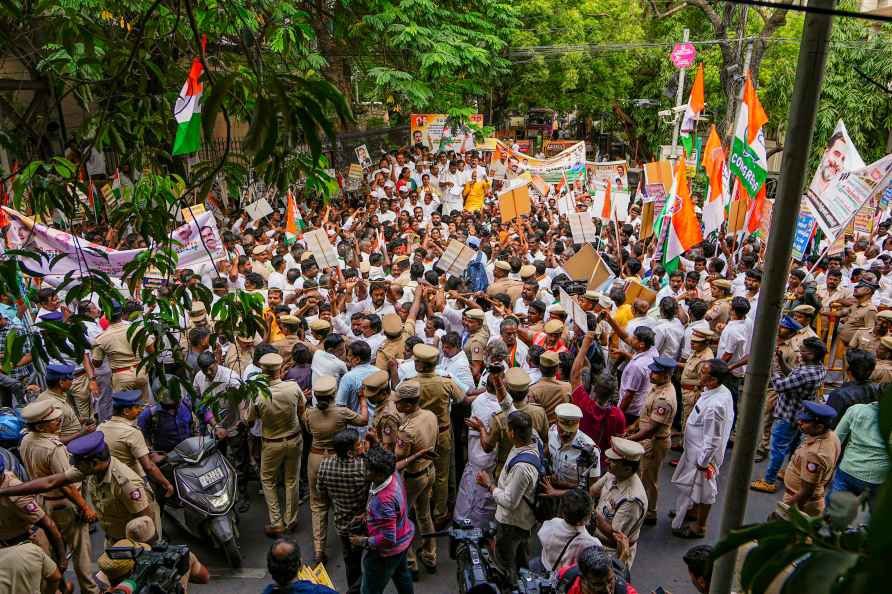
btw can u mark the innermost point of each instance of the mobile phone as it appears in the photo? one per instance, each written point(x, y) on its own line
point(660, 590)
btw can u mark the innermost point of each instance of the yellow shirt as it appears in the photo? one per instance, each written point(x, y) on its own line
point(474, 194)
point(623, 315)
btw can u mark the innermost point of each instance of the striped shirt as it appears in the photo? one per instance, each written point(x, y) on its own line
point(390, 530)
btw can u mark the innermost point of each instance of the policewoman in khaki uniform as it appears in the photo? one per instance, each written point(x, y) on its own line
point(437, 392)
point(126, 442)
point(43, 454)
point(58, 381)
point(621, 498)
point(113, 344)
point(323, 421)
point(282, 448)
point(654, 429)
point(814, 461)
point(549, 392)
point(387, 420)
point(417, 434)
point(690, 376)
point(867, 339)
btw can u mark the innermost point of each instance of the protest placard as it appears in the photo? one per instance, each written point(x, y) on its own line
point(635, 290)
point(434, 131)
point(354, 176)
point(647, 220)
point(259, 209)
point(805, 226)
point(321, 248)
point(737, 215)
point(575, 313)
point(363, 156)
point(566, 205)
point(602, 276)
point(581, 264)
point(582, 227)
point(514, 203)
point(456, 258)
point(190, 212)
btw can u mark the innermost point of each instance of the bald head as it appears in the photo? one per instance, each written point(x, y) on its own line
point(283, 561)
point(640, 306)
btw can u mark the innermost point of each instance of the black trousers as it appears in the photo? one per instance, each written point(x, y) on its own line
point(352, 564)
point(511, 550)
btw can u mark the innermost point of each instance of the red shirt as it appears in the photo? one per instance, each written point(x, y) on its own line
point(599, 422)
point(577, 589)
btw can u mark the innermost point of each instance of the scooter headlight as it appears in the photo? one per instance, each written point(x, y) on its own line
point(219, 501)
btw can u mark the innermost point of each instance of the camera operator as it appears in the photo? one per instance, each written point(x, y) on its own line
point(141, 530)
point(595, 572)
point(564, 537)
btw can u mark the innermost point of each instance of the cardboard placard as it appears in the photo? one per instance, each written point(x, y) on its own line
point(575, 313)
point(601, 276)
point(354, 175)
point(321, 248)
point(647, 220)
point(581, 264)
point(737, 215)
point(456, 258)
point(635, 290)
point(259, 209)
point(539, 184)
point(515, 203)
point(582, 227)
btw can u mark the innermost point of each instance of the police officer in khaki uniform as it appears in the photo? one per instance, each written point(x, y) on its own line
point(113, 344)
point(803, 315)
point(323, 421)
point(26, 567)
point(861, 313)
point(126, 442)
point(502, 284)
point(474, 341)
point(417, 434)
point(654, 429)
point(814, 461)
point(58, 381)
point(622, 500)
point(512, 388)
point(867, 339)
point(690, 375)
point(395, 340)
point(83, 385)
point(282, 448)
point(436, 394)
point(240, 354)
point(549, 392)
point(290, 326)
point(43, 454)
point(387, 420)
point(787, 331)
point(720, 310)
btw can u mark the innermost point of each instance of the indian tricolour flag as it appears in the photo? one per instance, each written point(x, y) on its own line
point(716, 197)
point(696, 102)
point(748, 161)
point(294, 221)
point(187, 112)
point(683, 228)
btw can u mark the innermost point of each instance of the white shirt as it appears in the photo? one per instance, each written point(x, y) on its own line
point(564, 459)
point(224, 378)
point(669, 337)
point(325, 363)
point(276, 280)
point(458, 368)
point(483, 407)
point(554, 536)
point(735, 340)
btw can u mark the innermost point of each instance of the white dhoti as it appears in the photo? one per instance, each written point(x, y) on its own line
point(473, 502)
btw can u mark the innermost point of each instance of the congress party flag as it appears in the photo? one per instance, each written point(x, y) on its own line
point(716, 197)
point(748, 161)
point(683, 227)
point(187, 112)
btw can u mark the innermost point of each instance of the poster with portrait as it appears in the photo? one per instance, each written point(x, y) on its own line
point(433, 131)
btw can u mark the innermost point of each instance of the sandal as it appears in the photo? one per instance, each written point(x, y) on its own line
point(688, 532)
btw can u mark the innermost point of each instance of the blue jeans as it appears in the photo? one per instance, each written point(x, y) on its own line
point(843, 481)
point(378, 570)
point(783, 433)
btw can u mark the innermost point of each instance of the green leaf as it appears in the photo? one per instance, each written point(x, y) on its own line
point(819, 572)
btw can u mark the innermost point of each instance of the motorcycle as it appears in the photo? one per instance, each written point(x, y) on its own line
point(206, 493)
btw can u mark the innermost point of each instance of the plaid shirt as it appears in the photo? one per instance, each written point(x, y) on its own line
point(343, 481)
point(24, 372)
point(802, 384)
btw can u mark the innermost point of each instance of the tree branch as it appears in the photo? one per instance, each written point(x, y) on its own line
point(709, 11)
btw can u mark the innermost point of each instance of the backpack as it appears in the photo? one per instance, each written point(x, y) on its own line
point(541, 511)
point(475, 276)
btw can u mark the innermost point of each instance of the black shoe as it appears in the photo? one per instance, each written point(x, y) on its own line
point(431, 569)
point(415, 576)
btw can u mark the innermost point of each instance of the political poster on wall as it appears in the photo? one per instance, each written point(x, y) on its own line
point(432, 131)
point(615, 172)
point(569, 162)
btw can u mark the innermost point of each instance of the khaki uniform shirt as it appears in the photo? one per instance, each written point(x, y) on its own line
point(659, 410)
point(391, 348)
point(548, 393)
point(125, 442)
point(119, 496)
point(623, 504)
point(859, 316)
point(71, 424)
point(865, 340)
point(284, 346)
point(280, 413)
point(882, 373)
point(44, 454)
point(813, 462)
point(323, 424)
point(475, 347)
point(418, 432)
point(113, 343)
point(690, 375)
point(386, 423)
point(797, 339)
point(719, 312)
point(25, 569)
point(238, 359)
point(790, 354)
point(436, 393)
point(17, 514)
point(511, 287)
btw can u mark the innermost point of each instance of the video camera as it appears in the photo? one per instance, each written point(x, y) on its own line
point(476, 573)
point(156, 571)
point(535, 583)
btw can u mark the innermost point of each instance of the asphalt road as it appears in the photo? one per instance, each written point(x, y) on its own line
point(659, 561)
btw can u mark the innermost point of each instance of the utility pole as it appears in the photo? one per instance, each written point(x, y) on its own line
point(801, 123)
point(679, 97)
point(747, 60)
